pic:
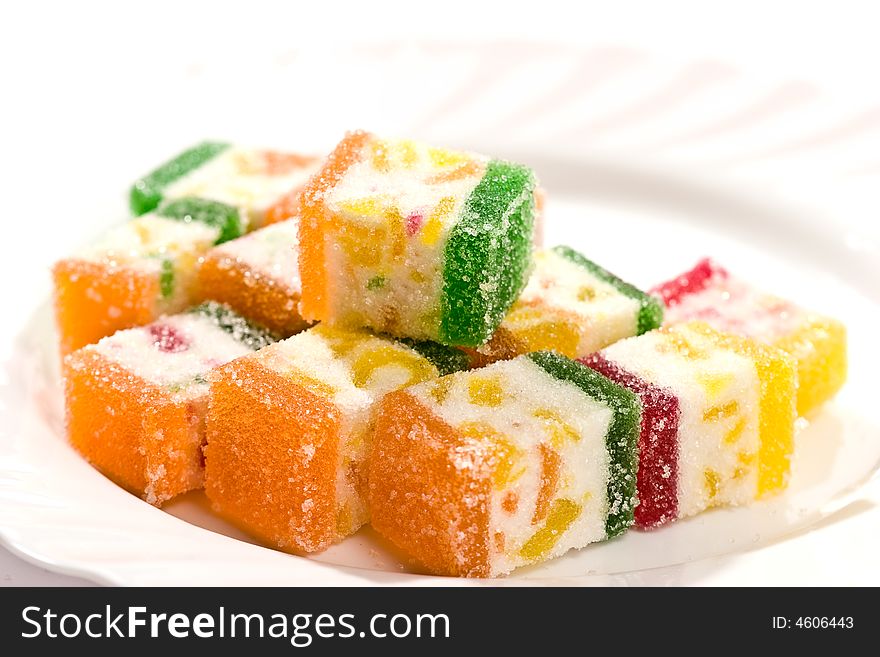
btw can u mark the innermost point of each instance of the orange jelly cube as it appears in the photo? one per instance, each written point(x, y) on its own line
point(289, 430)
point(482, 472)
point(136, 401)
point(258, 276)
point(136, 272)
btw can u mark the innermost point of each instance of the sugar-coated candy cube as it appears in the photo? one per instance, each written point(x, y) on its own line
point(415, 241)
point(481, 472)
point(136, 401)
point(571, 306)
point(717, 422)
point(710, 294)
point(258, 276)
point(139, 270)
point(264, 184)
point(289, 430)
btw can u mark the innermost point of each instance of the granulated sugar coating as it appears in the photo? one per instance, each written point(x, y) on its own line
point(136, 401)
point(481, 472)
point(571, 306)
point(264, 185)
point(207, 195)
point(289, 431)
point(136, 272)
point(486, 403)
point(415, 241)
point(718, 421)
point(710, 294)
point(258, 276)
point(189, 209)
point(148, 192)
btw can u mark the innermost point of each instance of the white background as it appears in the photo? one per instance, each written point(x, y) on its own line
point(79, 78)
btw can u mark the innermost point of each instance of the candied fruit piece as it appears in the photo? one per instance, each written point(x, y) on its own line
point(707, 398)
point(136, 400)
point(710, 294)
point(571, 306)
point(561, 515)
point(476, 489)
point(263, 185)
point(289, 430)
point(441, 242)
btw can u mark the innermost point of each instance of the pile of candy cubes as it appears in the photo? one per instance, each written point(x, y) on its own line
point(377, 337)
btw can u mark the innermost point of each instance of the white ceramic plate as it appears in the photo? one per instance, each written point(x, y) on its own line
point(650, 164)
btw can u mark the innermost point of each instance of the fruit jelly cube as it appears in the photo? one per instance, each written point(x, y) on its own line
point(718, 421)
point(136, 401)
point(572, 306)
point(415, 241)
point(258, 276)
point(289, 430)
point(264, 184)
point(138, 271)
point(710, 294)
point(481, 472)
point(147, 193)
point(658, 444)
